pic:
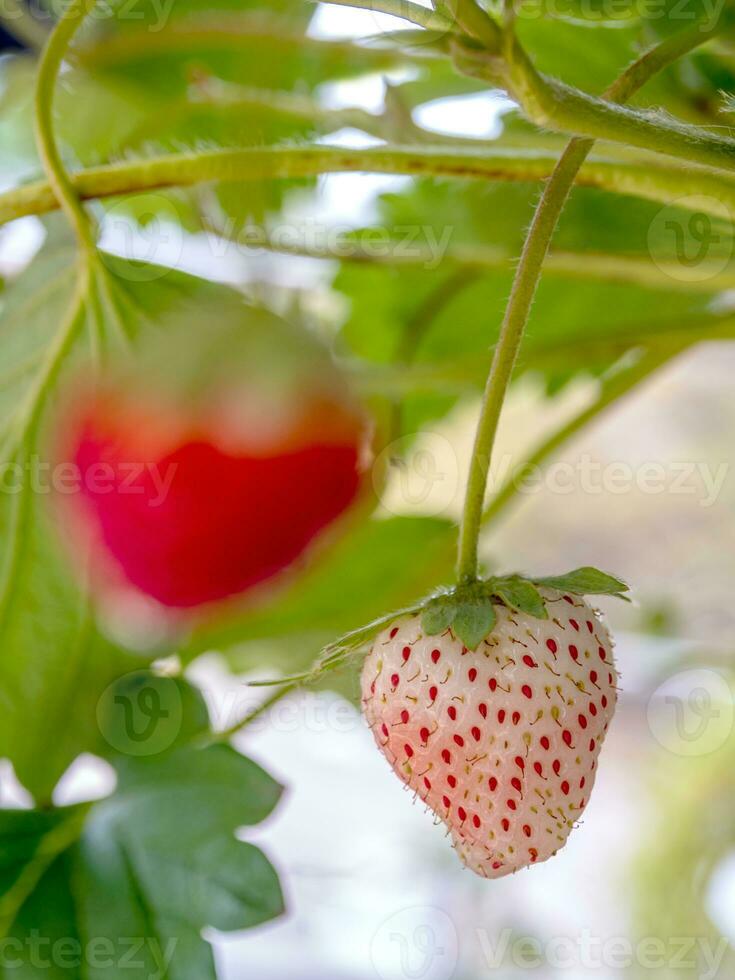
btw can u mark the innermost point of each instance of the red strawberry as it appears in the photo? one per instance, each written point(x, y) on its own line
point(501, 743)
point(197, 486)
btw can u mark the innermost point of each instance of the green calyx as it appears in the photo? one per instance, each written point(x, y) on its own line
point(469, 610)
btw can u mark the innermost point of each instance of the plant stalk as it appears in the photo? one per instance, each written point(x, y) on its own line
point(48, 71)
point(528, 274)
point(654, 180)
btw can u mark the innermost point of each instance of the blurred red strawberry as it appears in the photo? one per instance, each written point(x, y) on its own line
point(210, 464)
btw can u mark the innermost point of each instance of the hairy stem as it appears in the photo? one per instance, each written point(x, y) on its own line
point(528, 274)
point(48, 71)
point(511, 333)
point(554, 105)
point(654, 181)
point(471, 18)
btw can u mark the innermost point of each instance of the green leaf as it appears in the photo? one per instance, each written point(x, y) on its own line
point(153, 864)
point(217, 783)
point(520, 594)
point(473, 620)
point(584, 581)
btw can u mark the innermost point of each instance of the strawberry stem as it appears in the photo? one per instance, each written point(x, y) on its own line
point(528, 274)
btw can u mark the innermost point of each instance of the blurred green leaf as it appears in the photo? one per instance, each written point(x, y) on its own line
point(143, 713)
point(585, 328)
point(186, 66)
point(147, 868)
point(251, 49)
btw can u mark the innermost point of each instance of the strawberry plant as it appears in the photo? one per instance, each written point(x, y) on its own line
point(192, 465)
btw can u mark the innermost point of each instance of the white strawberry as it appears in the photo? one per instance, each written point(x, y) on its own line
point(501, 743)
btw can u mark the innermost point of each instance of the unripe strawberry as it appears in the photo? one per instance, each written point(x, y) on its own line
point(212, 460)
point(501, 742)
